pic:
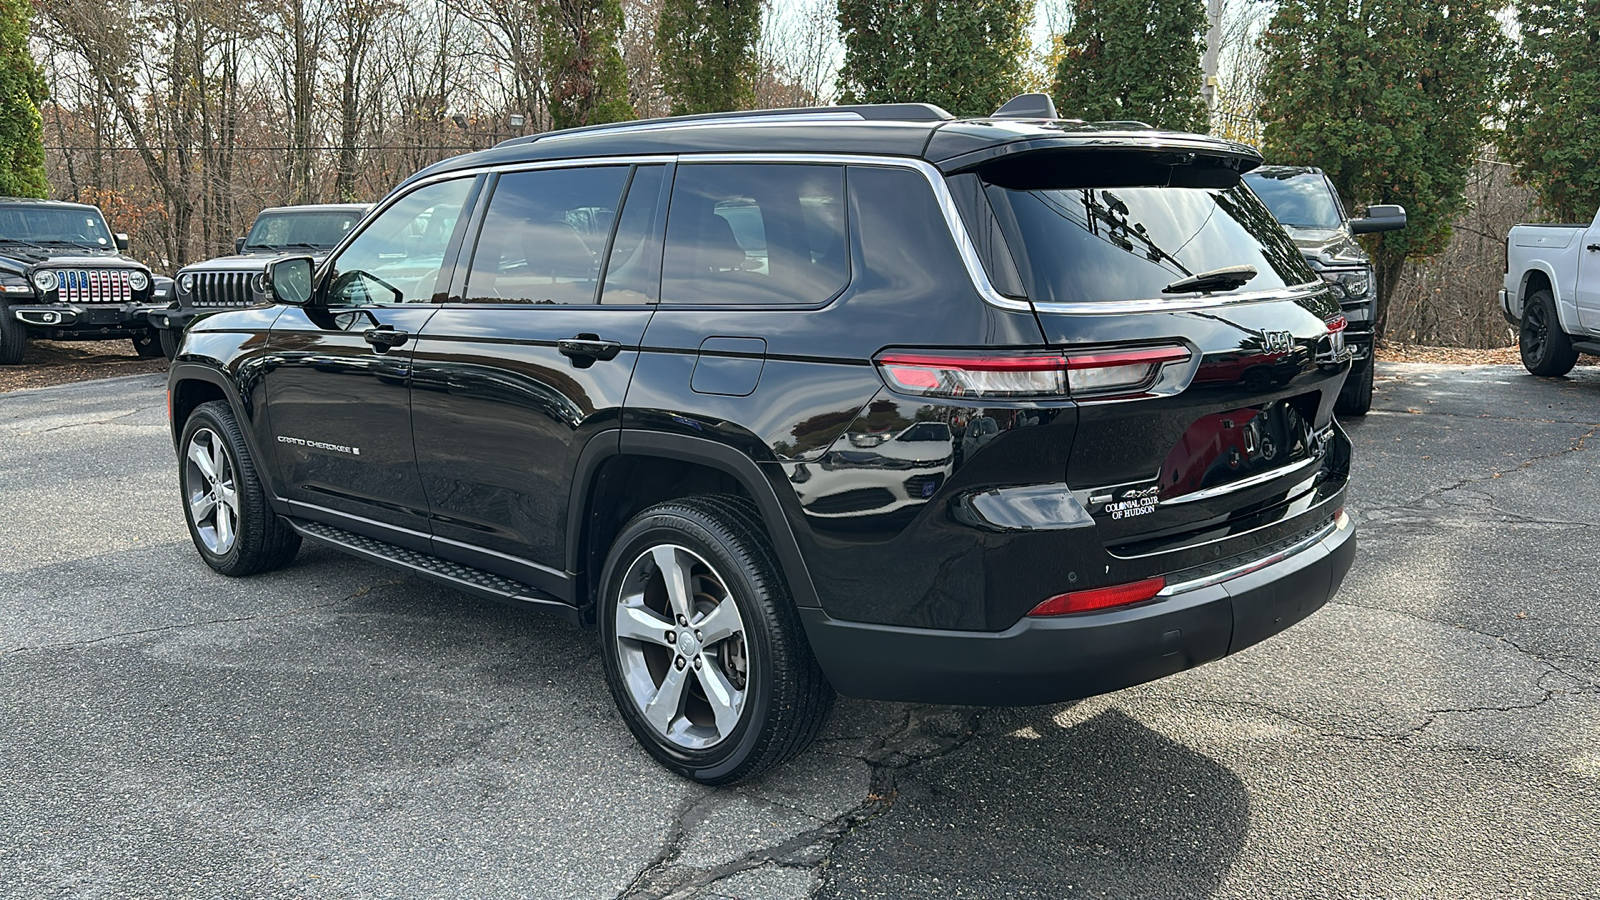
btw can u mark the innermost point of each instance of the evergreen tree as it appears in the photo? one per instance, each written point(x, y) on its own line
point(588, 82)
point(22, 89)
point(1553, 103)
point(1134, 59)
point(966, 57)
point(1389, 97)
point(707, 52)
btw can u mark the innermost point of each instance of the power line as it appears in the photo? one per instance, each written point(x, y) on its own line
point(238, 147)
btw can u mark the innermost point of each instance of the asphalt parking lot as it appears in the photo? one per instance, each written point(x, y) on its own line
point(335, 730)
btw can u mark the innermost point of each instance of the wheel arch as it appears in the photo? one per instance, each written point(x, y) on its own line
point(191, 384)
point(1540, 276)
point(598, 505)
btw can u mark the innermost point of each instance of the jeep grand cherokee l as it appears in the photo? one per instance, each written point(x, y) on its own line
point(867, 399)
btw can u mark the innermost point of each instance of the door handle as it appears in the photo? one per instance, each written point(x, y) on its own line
point(584, 349)
point(385, 338)
point(1593, 247)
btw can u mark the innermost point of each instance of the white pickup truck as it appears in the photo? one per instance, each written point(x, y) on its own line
point(1552, 293)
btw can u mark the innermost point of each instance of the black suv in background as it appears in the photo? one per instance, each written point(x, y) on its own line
point(65, 276)
point(233, 281)
point(992, 411)
point(1305, 202)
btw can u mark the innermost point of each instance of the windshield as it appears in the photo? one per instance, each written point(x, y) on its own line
point(301, 230)
point(58, 225)
point(1303, 200)
point(1130, 243)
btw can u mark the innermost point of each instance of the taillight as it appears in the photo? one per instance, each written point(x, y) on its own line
point(1094, 375)
point(1100, 598)
point(1337, 324)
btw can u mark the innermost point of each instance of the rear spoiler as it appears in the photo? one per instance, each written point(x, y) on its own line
point(1109, 159)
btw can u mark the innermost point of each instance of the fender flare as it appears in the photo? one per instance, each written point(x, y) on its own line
point(1565, 308)
point(706, 452)
point(190, 371)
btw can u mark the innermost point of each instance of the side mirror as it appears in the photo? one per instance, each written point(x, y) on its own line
point(288, 280)
point(122, 242)
point(238, 245)
point(1387, 217)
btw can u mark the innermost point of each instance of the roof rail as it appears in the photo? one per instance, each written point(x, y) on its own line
point(1126, 123)
point(871, 112)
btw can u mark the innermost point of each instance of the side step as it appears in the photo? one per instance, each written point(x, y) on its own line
point(1589, 347)
point(466, 579)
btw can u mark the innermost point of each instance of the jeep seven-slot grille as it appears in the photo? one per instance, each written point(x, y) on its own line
point(94, 285)
point(223, 289)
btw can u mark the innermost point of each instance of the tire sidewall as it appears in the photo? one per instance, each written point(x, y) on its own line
point(206, 418)
point(677, 527)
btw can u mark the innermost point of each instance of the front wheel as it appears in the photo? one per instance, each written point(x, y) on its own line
point(704, 653)
point(147, 344)
point(233, 527)
point(1546, 349)
point(169, 342)
point(13, 338)
point(1355, 399)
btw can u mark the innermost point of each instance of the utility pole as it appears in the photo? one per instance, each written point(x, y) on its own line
point(1208, 64)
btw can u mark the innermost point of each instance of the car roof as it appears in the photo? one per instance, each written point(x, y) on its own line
point(318, 207)
point(35, 201)
point(909, 130)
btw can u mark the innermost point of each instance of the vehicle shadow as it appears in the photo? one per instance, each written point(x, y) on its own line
point(1040, 804)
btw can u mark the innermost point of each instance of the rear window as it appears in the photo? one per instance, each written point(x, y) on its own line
point(1097, 244)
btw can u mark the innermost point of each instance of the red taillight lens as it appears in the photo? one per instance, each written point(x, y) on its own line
point(1337, 324)
point(1095, 374)
point(1100, 598)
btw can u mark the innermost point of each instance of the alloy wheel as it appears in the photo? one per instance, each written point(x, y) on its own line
point(210, 491)
point(682, 647)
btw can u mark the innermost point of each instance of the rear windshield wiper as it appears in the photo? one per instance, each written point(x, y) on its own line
point(1224, 279)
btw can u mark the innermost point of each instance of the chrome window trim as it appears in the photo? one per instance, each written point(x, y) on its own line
point(965, 246)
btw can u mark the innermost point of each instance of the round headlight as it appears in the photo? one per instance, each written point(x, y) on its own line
point(259, 283)
point(138, 280)
point(45, 280)
point(186, 282)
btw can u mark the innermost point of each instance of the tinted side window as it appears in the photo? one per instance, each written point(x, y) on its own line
point(544, 235)
point(756, 234)
point(633, 271)
point(397, 257)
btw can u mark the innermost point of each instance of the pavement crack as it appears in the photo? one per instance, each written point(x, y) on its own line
point(186, 626)
point(114, 420)
point(925, 734)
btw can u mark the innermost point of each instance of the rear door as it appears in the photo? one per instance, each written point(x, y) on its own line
point(530, 358)
point(1200, 401)
point(338, 385)
point(1588, 287)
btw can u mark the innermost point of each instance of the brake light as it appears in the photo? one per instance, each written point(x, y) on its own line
point(1097, 374)
point(1100, 598)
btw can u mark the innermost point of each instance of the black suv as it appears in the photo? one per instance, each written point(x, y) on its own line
point(64, 276)
point(232, 281)
point(1304, 200)
point(992, 411)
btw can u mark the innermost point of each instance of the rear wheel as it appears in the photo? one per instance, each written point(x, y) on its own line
point(1546, 349)
point(13, 338)
point(234, 529)
point(1356, 397)
point(703, 650)
point(147, 343)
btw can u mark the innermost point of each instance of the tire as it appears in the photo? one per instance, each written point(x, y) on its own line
point(13, 338)
point(239, 538)
point(1546, 349)
point(147, 344)
point(777, 699)
point(169, 342)
point(1355, 399)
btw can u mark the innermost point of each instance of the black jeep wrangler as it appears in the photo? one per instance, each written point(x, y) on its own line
point(233, 281)
point(65, 276)
point(871, 399)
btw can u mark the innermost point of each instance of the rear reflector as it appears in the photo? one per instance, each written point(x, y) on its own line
point(1100, 598)
point(1097, 374)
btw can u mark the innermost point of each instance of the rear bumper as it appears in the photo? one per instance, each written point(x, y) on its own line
point(1050, 660)
point(1505, 308)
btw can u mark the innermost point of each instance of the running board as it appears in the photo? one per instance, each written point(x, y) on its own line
point(466, 579)
point(1589, 347)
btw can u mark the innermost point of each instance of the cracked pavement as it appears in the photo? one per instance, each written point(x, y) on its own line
point(335, 730)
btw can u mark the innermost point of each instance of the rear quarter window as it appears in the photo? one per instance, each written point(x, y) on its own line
point(1098, 244)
